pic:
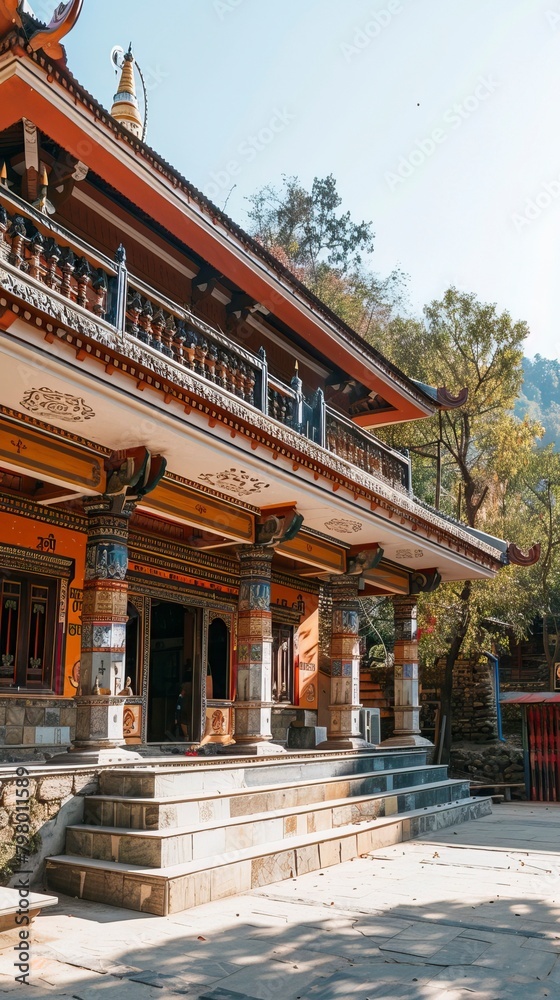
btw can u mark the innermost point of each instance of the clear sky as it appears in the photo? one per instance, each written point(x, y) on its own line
point(440, 120)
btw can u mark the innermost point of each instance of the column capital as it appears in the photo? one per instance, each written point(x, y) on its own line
point(250, 556)
point(106, 505)
point(405, 604)
point(344, 587)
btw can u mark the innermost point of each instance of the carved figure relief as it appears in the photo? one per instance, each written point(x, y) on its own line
point(47, 402)
point(218, 722)
point(235, 481)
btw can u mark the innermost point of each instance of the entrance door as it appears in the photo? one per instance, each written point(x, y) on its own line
point(174, 672)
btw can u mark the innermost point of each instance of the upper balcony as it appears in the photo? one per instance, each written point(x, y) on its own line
point(32, 243)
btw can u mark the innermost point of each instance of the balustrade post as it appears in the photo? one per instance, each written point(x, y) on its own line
point(117, 315)
point(297, 417)
point(408, 471)
point(17, 233)
point(4, 248)
point(262, 392)
point(320, 418)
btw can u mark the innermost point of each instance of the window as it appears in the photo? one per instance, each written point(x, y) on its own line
point(27, 615)
point(282, 662)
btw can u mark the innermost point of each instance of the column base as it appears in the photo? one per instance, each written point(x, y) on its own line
point(407, 740)
point(99, 733)
point(96, 756)
point(345, 743)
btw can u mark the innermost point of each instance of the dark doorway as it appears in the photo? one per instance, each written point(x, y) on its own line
point(132, 647)
point(218, 658)
point(174, 673)
point(282, 662)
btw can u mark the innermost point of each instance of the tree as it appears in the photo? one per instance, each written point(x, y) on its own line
point(326, 249)
point(540, 396)
point(484, 448)
point(540, 493)
point(307, 226)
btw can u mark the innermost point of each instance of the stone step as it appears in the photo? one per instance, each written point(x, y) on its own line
point(166, 811)
point(192, 776)
point(169, 890)
point(164, 847)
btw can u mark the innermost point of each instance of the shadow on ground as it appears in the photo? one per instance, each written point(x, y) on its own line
point(455, 917)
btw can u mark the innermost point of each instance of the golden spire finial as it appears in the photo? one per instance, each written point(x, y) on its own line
point(125, 103)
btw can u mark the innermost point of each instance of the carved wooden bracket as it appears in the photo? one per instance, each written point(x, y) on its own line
point(425, 582)
point(133, 473)
point(516, 556)
point(363, 560)
point(276, 526)
point(450, 402)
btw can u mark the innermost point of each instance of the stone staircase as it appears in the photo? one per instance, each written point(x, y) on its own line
point(166, 837)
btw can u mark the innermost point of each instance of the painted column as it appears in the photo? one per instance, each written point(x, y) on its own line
point(407, 702)
point(253, 706)
point(344, 710)
point(99, 724)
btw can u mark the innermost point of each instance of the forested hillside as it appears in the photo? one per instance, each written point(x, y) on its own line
point(540, 397)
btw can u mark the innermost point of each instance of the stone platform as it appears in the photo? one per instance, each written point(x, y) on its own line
point(163, 838)
point(466, 913)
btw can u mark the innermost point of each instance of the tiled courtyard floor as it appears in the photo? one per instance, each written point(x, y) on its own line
point(471, 912)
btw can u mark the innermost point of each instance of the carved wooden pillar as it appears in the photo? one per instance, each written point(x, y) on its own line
point(407, 706)
point(254, 652)
point(344, 710)
point(99, 722)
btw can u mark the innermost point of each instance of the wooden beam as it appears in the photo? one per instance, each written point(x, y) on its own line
point(182, 503)
point(315, 552)
point(48, 457)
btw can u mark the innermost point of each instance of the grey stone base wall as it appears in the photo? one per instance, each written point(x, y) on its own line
point(55, 801)
point(36, 722)
point(283, 716)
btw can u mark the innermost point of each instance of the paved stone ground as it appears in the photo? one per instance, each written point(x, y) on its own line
point(470, 912)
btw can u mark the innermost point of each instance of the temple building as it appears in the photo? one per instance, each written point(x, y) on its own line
point(193, 500)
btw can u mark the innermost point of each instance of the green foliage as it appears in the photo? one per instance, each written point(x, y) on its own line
point(465, 344)
point(326, 250)
point(540, 396)
point(308, 226)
